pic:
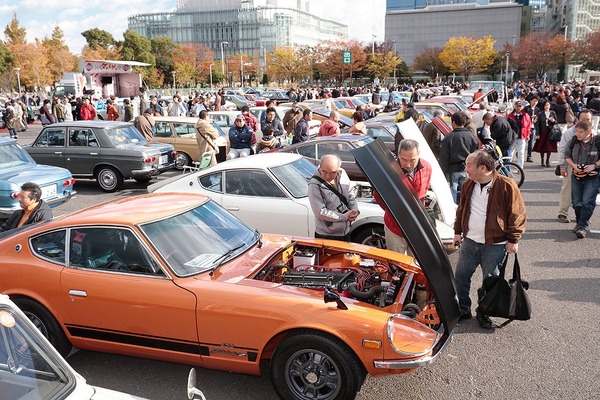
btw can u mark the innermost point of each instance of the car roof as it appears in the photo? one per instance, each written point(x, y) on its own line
point(5, 140)
point(263, 160)
point(91, 124)
point(176, 119)
point(122, 212)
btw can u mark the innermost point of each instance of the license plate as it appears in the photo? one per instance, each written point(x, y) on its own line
point(164, 160)
point(48, 191)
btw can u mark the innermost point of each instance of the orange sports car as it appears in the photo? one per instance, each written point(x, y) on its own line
point(176, 277)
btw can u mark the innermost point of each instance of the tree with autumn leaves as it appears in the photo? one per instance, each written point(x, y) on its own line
point(467, 56)
point(537, 54)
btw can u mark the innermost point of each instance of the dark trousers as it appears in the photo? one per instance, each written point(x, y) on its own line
point(345, 238)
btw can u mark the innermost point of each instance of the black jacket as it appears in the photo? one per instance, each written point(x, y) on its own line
point(502, 133)
point(455, 148)
point(41, 213)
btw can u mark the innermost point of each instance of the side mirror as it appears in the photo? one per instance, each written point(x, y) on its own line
point(192, 392)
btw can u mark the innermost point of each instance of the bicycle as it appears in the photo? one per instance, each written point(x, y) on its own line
point(505, 166)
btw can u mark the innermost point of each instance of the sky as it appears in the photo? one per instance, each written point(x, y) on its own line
point(39, 18)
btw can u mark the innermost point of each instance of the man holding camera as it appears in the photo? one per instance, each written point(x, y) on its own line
point(332, 203)
point(583, 156)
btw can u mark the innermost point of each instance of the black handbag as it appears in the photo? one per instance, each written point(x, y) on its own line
point(506, 299)
point(555, 133)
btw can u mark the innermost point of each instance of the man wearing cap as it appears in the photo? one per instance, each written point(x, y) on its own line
point(291, 118)
point(241, 139)
point(524, 123)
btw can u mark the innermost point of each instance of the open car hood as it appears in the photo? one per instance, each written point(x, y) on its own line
point(383, 171)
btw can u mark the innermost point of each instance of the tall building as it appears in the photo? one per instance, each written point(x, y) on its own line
point(234, 26)
point(398, 5)
point(574, 19)
point(414, 30)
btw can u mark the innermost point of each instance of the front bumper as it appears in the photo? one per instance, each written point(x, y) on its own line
point(412, 364)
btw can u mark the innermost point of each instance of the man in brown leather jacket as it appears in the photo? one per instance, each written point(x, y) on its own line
point(490, 220)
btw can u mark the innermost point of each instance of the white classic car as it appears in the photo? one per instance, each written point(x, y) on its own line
point(269, 192)
point(30, 368)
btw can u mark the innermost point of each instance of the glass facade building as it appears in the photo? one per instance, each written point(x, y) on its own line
point(245, 30)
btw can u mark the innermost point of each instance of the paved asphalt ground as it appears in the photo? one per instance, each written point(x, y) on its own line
point(555, 355)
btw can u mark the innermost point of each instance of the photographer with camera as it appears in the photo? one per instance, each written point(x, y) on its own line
point(332, 203)
point(583, 155)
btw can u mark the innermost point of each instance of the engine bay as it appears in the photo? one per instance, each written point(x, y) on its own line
point(401, 287)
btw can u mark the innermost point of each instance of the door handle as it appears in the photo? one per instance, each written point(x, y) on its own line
point(58, 152)
point(78, 293)
point(93, 154)
point(233, 209)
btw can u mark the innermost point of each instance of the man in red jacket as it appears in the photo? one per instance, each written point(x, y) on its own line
point(87, 112)
point(417, 174)
point(524, 123)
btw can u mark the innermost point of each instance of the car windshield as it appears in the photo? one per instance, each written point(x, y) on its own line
point(125, 135)
point(195, 241)
point(295, 175)
point(13, 155)
point(27, 363)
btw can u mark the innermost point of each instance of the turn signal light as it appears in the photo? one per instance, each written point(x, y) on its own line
point(15, 195)
point(149, 159)
point(69, 182)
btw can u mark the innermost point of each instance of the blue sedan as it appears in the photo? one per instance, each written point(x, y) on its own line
point(17, 167)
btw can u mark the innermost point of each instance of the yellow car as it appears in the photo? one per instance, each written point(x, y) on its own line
point(181, 133)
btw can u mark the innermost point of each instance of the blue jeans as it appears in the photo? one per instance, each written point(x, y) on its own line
point(473, 254)
point(583, 196)
point(456, 181)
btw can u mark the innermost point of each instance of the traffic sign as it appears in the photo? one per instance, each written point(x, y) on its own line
point(346, 57)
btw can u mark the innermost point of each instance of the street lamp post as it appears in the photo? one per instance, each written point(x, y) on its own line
point(223, 58)
point(18, 72)
point(174, 85)
point(395, 82)
point(506, 79)
point(210, 69)
point(265, 55)
point(373, 44)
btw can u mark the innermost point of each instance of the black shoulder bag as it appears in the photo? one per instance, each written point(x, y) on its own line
point(335, 191)
point(506, 299)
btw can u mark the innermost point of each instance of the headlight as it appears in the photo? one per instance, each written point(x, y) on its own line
point(410, 337)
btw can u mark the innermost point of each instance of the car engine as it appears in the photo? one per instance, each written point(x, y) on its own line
point(350, 276)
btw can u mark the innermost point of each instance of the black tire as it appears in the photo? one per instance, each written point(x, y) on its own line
point(313, 365)
point(182, 160)
point(46, 324)
point(513, 171)
point(365, 236)
point(109, 179)
point(143, 180)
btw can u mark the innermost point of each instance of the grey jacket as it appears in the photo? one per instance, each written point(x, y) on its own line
point(330, 213)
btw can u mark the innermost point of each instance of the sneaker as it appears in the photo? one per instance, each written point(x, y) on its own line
point(464, 314)
point(563, 218)
point(484, 321)
point(580, 233)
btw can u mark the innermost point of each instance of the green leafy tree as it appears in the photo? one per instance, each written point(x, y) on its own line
point(139, 48)
point(7, 58)
point(162, 48)
point(428, 60)
point(467, 56)
point(98, 38)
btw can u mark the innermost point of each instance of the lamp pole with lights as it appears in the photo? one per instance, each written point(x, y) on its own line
point(223, 58)
point(18, 72)
point(210, 69)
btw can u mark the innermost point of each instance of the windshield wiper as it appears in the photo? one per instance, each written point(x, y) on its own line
point(258, 237)
point(217, 263)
